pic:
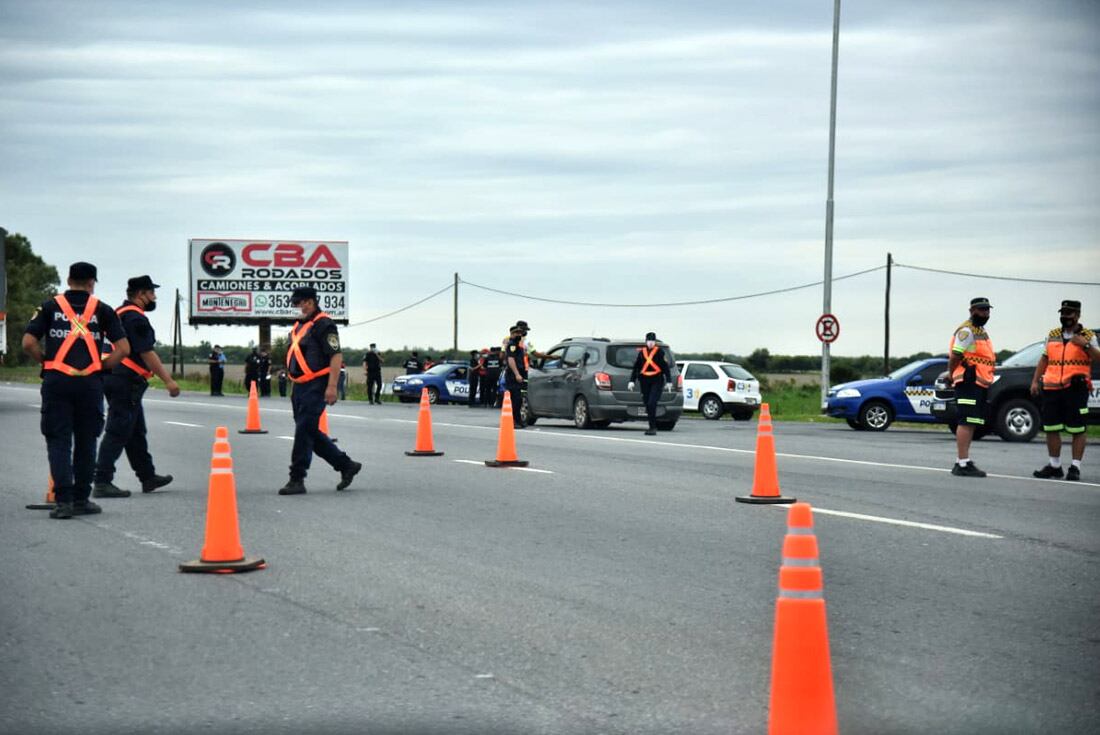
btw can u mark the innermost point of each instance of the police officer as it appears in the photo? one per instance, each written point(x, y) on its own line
point(651, 368)
point(216, 361)
point(75, 326)
point(265, 373)
point(474, 372)
point(252, 370)
point(313, 361)
point(372, 361)
point(1063, 376)
point(413, 366)
point(970, 365)
point(490, 382)
point(124, 386)
point(515, 373)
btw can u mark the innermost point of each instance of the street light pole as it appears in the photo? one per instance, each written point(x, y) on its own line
point(828, 295)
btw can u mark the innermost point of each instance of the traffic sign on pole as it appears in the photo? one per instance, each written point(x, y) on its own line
point(828, 328)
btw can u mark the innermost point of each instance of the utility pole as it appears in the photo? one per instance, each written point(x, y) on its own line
point(177, 339)
point(886, 351)
point(455, 346)
point(828, 300)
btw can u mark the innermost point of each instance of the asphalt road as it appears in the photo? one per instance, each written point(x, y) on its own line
point(617, 588)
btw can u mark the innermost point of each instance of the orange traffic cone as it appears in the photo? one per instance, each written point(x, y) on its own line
point(51, 499)
point(252, 425)
point(802, 698)
point(323, 425)
point(765, 480)
point(424, 447)
point(222, 551)
point(506, 445)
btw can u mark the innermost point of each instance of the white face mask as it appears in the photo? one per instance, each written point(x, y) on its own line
point(650, 344)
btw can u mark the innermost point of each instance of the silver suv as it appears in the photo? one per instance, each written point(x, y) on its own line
point(585, 378)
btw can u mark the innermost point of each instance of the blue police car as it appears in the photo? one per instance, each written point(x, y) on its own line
point(904, 395)
point(446, 382)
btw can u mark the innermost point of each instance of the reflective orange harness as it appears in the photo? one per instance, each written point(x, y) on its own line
point(295, 351)
point(983, 358)
point(1065, 360)
point(650, 368)
point(143, 372)
point(78, 328)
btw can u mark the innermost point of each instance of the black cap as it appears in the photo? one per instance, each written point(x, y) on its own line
point(303, 293)
point(81, 271)
point(474, 352)
point(1070, 305)
point(523, 325)
point(650, 336)
point(372, 344)
point(980, 302)
point(141, 283)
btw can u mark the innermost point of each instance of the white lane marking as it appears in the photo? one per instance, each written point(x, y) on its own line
point(183, 423)
point(285, 437)
point(898, 522)
point(518, 469)
point(35, 405)
point(484, 676)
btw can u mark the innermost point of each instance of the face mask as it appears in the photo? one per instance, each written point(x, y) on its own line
point(978, 320)
point(650, 344)
point(151, 306)
point(1068, 322)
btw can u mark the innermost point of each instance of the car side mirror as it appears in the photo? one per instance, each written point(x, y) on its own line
point(915, 379)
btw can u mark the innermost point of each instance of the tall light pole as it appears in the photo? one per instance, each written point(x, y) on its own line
point(828, 299)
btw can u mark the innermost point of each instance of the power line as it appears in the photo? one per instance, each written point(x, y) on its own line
point(995, 278)
point(446, 288)
point(674, 303)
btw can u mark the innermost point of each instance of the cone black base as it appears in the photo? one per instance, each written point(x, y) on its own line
point(416, 453)
point(765, 499)
point(252, 431)
point(223, 567)
point(514, 463)
point(41, 506)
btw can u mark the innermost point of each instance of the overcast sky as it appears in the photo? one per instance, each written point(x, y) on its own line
point(614, 152)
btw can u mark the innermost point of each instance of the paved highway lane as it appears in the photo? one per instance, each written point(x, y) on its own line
point(618, 589)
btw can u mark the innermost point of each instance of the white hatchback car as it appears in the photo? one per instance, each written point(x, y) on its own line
point(714, 388)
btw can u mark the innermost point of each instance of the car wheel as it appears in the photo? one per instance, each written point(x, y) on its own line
point(433, 395)
point(528, 416)
point(711, 407)
point(1017, 420)
point(875, 416)
point(855, 424)
point(581, 417)
point(666, 425)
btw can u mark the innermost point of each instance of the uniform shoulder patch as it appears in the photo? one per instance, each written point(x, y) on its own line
point(1055, 333)
point(334, 340)
point(512, 348)
point(963, 334)
point(36, 313)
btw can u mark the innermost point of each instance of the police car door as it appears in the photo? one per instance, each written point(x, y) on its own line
point(920, 389)
point(458, 387)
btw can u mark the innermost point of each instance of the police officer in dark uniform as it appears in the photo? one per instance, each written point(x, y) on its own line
point(124, 386)
point(75, 326)
point(265, 373)
point(491, 380)
point(313, 362)
point(651, 368)
point(252, 370)
point(372, 361)
point(474, 371)
point(413, 365)
point(216, 360)
point(515, 373)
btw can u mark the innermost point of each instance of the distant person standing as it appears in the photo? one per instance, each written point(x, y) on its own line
point(490, 382)
point(413, 365)
point(971, 363)
point(372, 363)
point(216, 360)
point(282, 383)
point(265, 373)
point(515, 375)
point(429, 363)
point(342, 383)
point(252, 370)
point(652, 371)
point(474, 370)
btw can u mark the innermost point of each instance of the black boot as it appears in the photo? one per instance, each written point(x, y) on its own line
point(86, 508)
point(1048, 472)
point(293, 487)
point(108, 490)
point(348, 474)
point(62, 510)
point(148, 486)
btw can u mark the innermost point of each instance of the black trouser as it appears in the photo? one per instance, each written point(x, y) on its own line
point(489, 388)
point(282, 385)
point(249, 380)
point(474, 381)
point(374, 386)
point(126, 429)
point(342, 386)
point(308, 401)
point(516, 390)
point(651, 394)
point(265, 385)
point(217, 375)
point(72, 420)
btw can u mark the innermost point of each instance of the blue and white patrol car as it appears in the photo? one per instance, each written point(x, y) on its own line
point(904, 395)
point(446, 382)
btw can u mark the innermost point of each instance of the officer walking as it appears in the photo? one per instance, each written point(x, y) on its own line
point(515, 375)
point(125, 386)
point(265, 373)
point(252, 370)
point(75, 326)
point(1063, 376)
point(474, 371)
point(413, 366)
point(490, 381)
point(651, 367)
point(970, 365)
point(372, 361)
point(216, 361)
point(313, 361)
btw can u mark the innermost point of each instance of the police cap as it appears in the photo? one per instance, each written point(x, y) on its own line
point(81, 271)
point(651, 336)
point(981, 302)
point(141, 283)
point(522, 325)
point(303, 293)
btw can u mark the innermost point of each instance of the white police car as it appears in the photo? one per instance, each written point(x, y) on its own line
point(715, 388)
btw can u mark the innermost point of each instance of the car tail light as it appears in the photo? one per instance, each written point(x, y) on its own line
point(603, 381)
point(680, 381)
point(731, 386)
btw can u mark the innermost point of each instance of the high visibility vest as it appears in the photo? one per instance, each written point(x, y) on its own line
point(297, 333)
point(650, 368)
point(78, 329)
point(1065, 360)
point(983, 358)
point(143, 372)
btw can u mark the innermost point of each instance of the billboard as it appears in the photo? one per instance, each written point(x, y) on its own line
point(250, 281)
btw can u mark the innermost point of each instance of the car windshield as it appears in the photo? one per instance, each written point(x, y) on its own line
point(901, 372)
point(439, 369)
point(1027, 357)
point(623, 356)
point(737, 372)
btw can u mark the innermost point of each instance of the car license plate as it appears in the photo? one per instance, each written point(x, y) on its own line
point(750, 401)
point(939, 406)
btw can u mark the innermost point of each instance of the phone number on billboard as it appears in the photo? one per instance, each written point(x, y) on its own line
point(326, 301)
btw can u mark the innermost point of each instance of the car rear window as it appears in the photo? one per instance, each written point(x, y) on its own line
point(623, 356)
point(737, 372)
